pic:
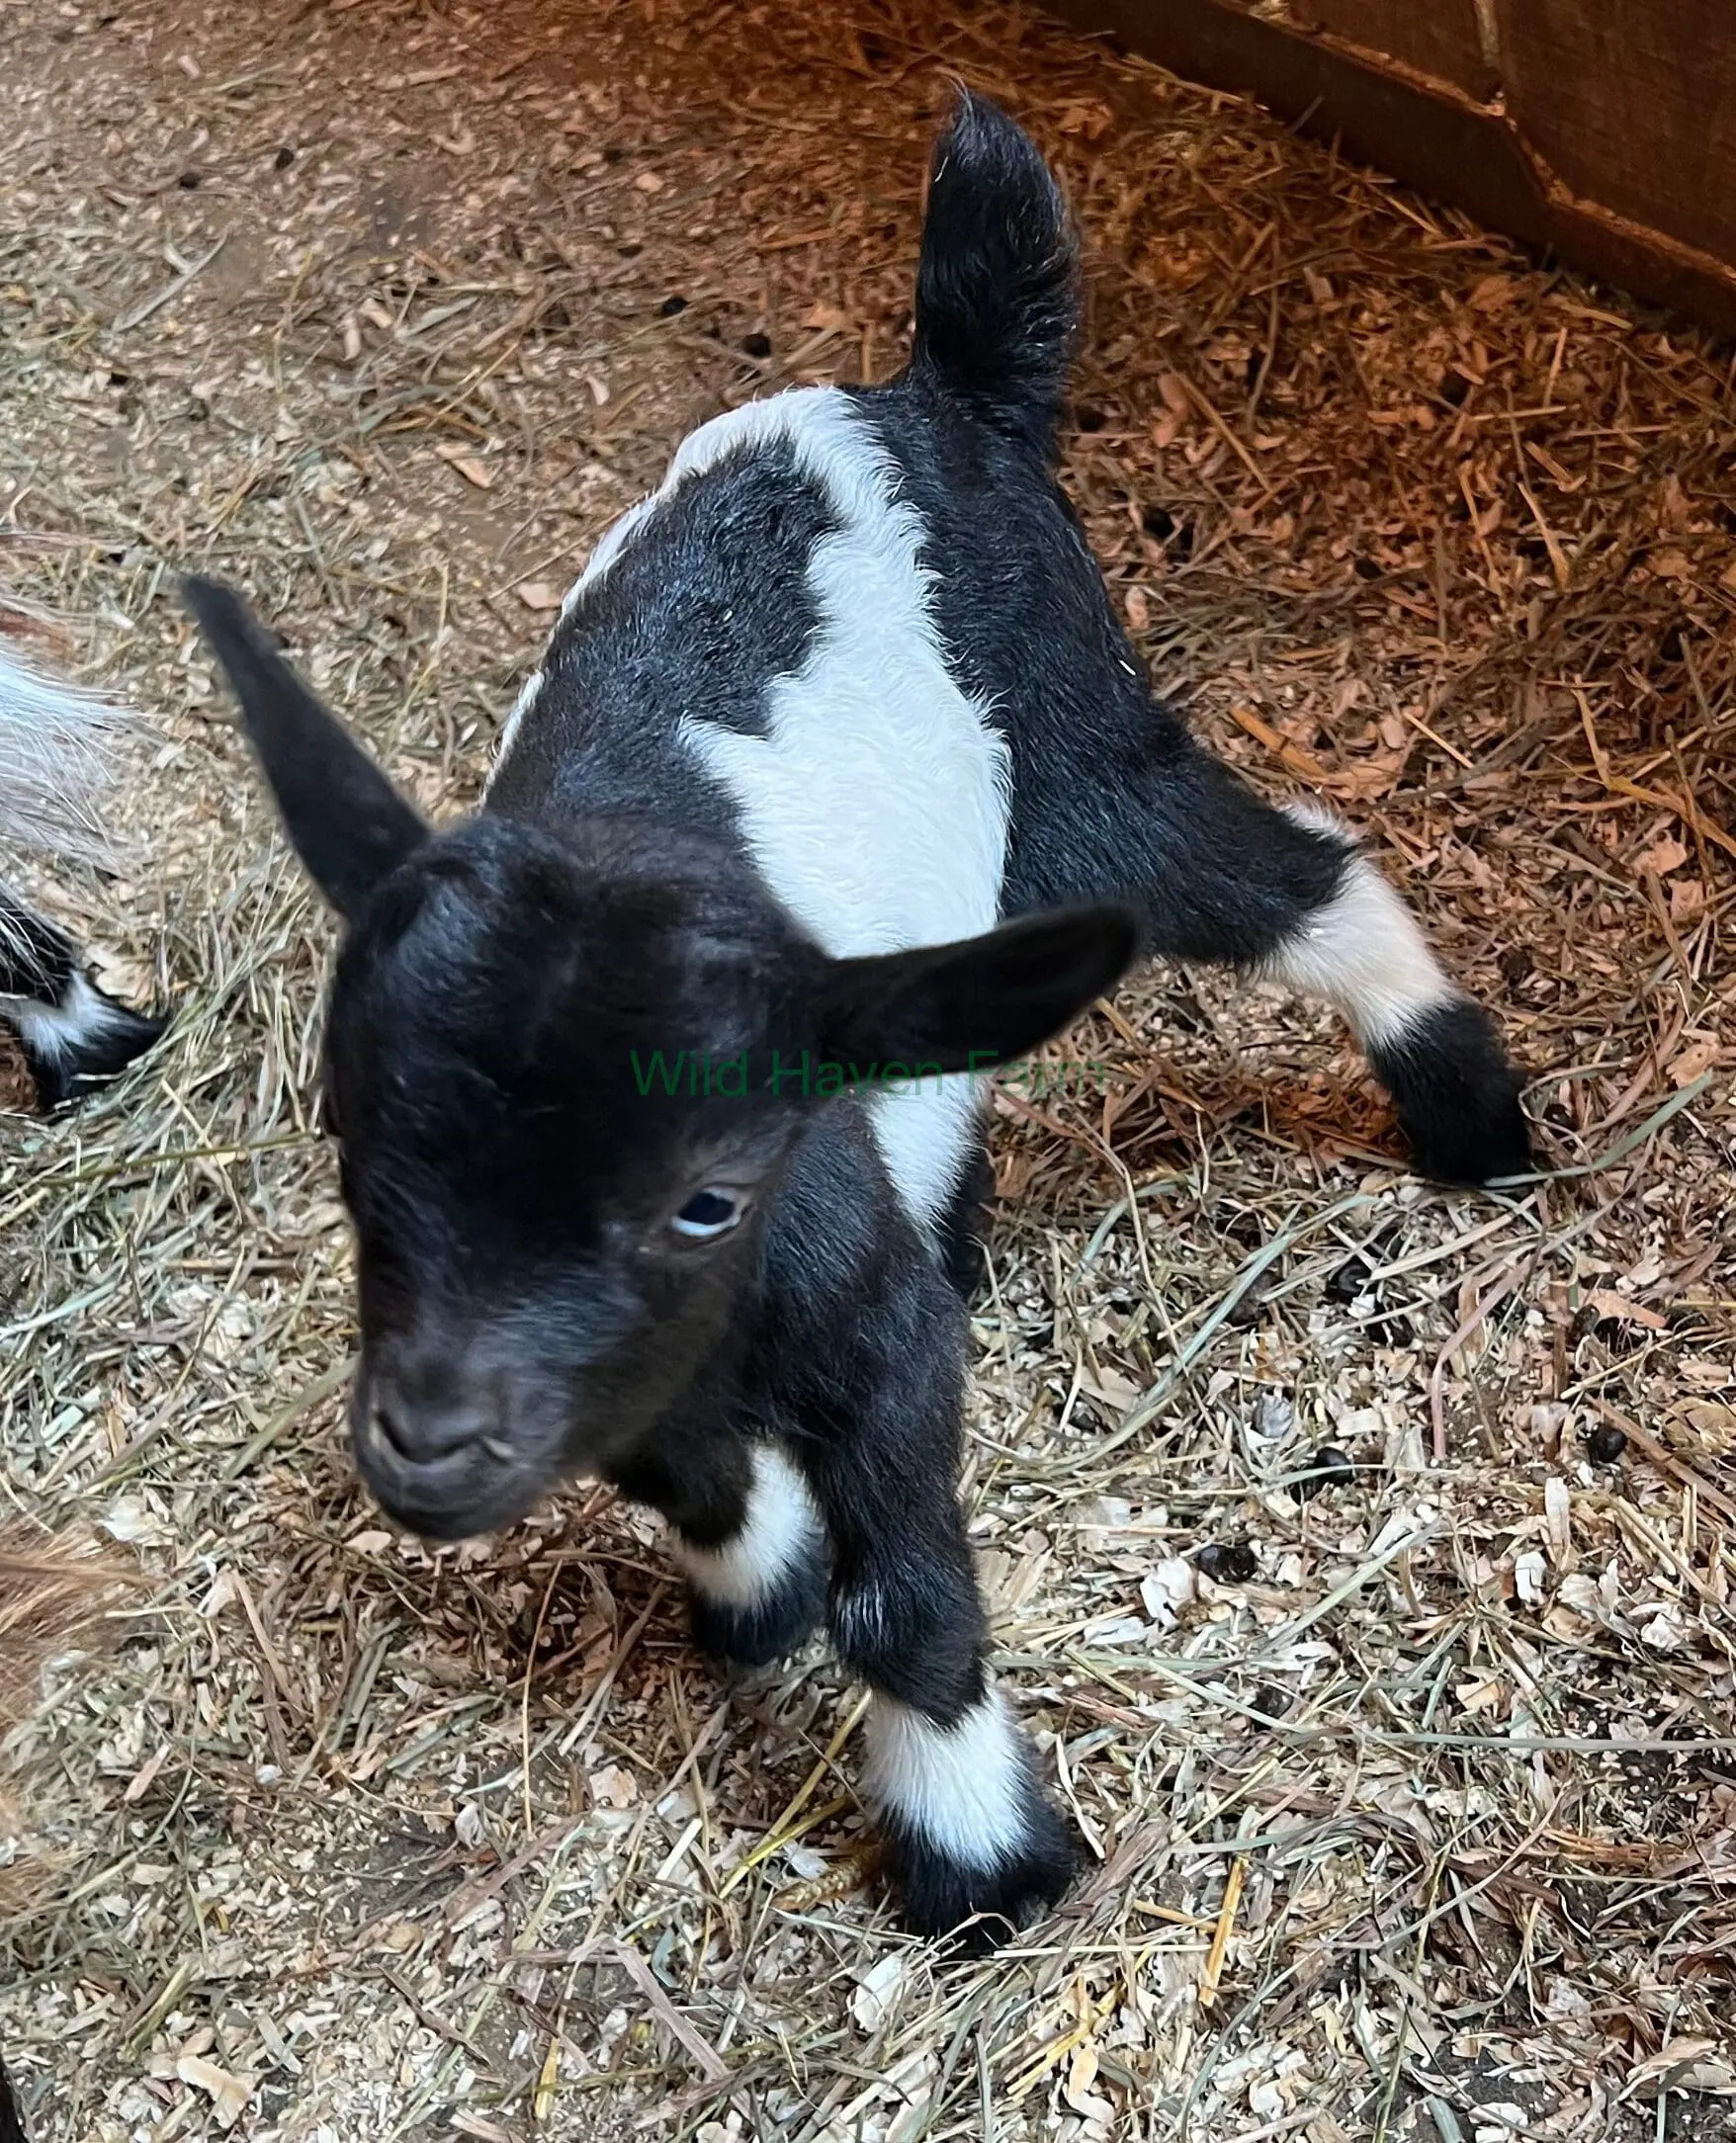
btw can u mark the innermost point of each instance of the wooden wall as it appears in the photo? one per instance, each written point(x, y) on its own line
point(1603, 128)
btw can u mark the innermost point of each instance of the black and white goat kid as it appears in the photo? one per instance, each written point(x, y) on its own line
point(843, 696)
point(53, 762)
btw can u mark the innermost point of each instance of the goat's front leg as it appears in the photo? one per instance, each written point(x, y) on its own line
point(953, 1779)
point(746, 1536)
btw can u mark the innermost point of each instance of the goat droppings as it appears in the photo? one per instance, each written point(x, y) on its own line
point(1228, 1562)
point(1329, 1468)
point(1348, 1281)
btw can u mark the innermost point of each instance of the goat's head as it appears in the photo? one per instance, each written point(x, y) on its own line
point(565, 1072)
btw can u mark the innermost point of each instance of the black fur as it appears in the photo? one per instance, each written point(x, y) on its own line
point(533, 1300)
point(10, 2126)
point(997, 310)
point(37, 960)
point(1113, 796)
point(700, 627)
point(963, 1237)
point(1457, 1097)
point(697, 626)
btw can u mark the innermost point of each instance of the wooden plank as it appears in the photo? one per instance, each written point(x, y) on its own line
point(1632, 106)
point(1442, 39)
point(1432, 135)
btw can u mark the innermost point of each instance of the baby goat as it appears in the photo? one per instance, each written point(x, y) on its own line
point(636, 1074)
point(52, 761)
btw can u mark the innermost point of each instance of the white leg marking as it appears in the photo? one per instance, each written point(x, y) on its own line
point(781, 1530)
point(1363, 952)
point(962, 1788)
point(56, 1032)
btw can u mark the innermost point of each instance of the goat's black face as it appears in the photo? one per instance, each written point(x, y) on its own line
point(559, 1065)
point(557, 1211)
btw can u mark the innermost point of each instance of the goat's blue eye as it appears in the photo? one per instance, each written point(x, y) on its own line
point(709, 1213)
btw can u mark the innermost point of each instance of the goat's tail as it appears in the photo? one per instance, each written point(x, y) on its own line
point(56, 759)
point(998, 279)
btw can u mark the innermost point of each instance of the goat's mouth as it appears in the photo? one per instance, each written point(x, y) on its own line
point(443, 1489)
point(441, 1524)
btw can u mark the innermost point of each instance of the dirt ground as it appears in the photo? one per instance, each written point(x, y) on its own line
point(1410, 1776)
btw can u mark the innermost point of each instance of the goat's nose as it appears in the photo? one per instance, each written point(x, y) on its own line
point(425, 1406)
point(442, 1459)
point(421, 1433)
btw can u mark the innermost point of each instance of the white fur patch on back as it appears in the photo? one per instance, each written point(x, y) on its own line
point(877, 803)
point(1363, 952)
point(781, 1530)
point(962, 1788)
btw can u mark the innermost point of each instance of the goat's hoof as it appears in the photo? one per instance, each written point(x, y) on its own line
point(768, 1631)
point(1459, 1096)
point(971, 1910)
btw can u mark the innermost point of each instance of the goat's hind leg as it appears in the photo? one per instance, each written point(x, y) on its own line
point(73, 1034)
point(1287, 896)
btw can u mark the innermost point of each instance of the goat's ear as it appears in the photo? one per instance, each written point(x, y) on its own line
point(983, 1001)
point(348, 824)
